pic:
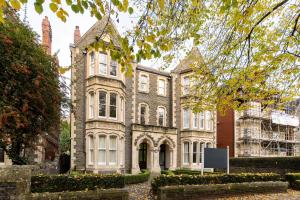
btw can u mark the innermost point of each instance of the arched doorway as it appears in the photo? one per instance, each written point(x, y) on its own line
point(164, 156)
point(143, 155)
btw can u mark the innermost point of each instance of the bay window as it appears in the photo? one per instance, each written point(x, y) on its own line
point(91, 150)
point(91, 105)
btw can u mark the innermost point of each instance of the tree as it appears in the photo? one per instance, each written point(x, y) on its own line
point(250, 48)
point(29, 86)
point(64, 137)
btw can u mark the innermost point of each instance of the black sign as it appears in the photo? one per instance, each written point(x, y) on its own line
point(215, 158)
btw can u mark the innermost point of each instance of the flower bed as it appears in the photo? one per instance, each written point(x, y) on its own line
point(168, 180)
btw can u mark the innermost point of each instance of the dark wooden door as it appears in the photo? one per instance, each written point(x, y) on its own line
point(162, 157)
point(143, 156)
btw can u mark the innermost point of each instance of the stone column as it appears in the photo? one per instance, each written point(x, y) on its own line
point(156, 167)
point(135, 158)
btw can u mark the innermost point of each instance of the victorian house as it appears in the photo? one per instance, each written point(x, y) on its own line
point(127, 123)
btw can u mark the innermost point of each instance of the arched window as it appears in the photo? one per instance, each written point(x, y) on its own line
point(102, 104)
point(161, 116)
point(113, 105)
point(186, 153)
point(102, 150)
point(195, 145)
point(92, 63)
point(91, 150)
point(112, 150)
point(91, 105)
point(102, 63)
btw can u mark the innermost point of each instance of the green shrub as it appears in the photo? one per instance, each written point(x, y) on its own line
point(292, 163)
point(59, 183)
point(294, 180)
point(167, 172)
point(137, 178)
point(165, 180)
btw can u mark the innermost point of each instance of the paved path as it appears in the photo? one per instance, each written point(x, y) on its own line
point(142, 192)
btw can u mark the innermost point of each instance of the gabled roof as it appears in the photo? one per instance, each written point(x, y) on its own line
point(99, 28)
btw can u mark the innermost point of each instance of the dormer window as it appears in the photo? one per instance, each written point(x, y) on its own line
point(113, 68)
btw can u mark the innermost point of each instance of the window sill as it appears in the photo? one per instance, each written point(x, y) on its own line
point(145, 92)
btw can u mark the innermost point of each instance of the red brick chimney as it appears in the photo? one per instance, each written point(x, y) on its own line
point(47, 35)
point(77, 35)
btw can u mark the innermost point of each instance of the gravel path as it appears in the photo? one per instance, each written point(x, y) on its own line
point(142, 192)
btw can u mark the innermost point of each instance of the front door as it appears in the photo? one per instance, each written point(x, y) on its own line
point(162, 157)
point(143, 156)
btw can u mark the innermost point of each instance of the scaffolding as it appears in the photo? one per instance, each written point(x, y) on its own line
point(267, 132)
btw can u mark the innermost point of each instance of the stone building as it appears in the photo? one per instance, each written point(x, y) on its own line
point(127, 123)
point(260, 132)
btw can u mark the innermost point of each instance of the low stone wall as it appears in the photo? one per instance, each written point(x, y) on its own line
point(193, 192)
point(109, 194)
point(14, 182)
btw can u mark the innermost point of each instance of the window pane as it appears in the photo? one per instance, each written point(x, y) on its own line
point(143, 113)
point(200, 154)
point(91, 107)
point(144, 83)
point(102, 156)
point(195, 152)
point(92, 63)
point(161, 87)
point(113, 68)
point(186, 118)
point(112, 156)
point(161, 116)
point(112, 143)
point(113, 105)
point(186, 85)
point(202, 120)
point(195, 120)
point(102, 58)
point(102, 104)
point(186, 152)
point(208, 120)
point(91, 149)
point(102, 142)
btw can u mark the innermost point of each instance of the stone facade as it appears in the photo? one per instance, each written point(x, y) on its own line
point(125, 124)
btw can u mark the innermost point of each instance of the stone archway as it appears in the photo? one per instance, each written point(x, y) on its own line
point(165, 156)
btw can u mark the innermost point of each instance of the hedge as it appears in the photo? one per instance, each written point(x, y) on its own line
point(215, 190)
point(167, 180)
point(138, 178)
point(294, 180)
point(59, 183)
point(267, 162)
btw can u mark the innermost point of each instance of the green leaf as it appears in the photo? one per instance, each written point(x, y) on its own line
point(15, 4)
point(69, 2)
point(38, 7)
point(161, 4)
point(130, 10)
point(75, 8)
point(53, 7)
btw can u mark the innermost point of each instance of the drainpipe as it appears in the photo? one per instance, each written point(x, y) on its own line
point(171, 102)
point(84, 53)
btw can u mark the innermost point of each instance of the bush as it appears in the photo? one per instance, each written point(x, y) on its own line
point(165, 180)
point(59, 183)
point(167, 172)
point(138, 178)
point(267, 162)
point(294, 180)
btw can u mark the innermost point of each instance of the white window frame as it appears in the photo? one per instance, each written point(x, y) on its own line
point(161, 90)
point(92, 64)
point(184, 120)
point(186, 153)
point(106, 97)
point(208, 123)
point(102, 63)
point(102, 149)
point(91, 157)
point(141, 89)
point(111, 149)
point(161, 108)
point(91, 105)
point(201, 148)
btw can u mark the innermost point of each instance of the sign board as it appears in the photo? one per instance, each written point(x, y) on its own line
point(215, 158)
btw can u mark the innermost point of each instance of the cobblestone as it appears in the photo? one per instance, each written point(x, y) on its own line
point(142, 192)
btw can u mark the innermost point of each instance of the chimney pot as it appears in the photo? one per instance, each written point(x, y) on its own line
point(46, 35)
